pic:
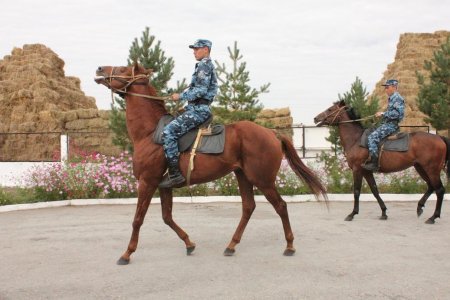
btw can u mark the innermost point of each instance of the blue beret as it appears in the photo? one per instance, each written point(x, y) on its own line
point(391, 82)
point(201, 43)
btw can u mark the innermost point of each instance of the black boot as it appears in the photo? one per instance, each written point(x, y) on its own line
point(174, 177)
point(371, 163)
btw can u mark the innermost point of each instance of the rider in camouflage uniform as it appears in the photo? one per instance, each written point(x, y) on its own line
point(391, 117)
point(199, 96)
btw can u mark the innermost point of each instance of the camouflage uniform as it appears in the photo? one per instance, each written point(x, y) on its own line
point(391, 117)
point(203, 88)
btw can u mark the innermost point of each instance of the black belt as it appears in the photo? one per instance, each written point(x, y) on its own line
point(201, 101)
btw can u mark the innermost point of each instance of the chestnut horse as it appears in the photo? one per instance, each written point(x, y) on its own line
point(428, 153)
point(252, 152)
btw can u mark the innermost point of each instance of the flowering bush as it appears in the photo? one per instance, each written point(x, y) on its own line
point(100, 176)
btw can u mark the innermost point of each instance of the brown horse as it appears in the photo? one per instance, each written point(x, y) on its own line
point(428, 153)
point(252, 152)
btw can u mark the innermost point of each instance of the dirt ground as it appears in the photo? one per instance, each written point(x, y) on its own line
point(71, 252)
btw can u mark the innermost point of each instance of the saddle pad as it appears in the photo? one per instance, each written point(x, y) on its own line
point(395, 142)
point(213, 143)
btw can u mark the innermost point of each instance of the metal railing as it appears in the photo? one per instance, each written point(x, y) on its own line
point(309, 141)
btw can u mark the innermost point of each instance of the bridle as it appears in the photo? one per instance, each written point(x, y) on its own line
point(336, 114)
point(128, 81)
point(339, 111)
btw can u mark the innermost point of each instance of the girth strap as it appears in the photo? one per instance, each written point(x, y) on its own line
point(201, 132)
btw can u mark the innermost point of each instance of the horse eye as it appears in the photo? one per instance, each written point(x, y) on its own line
point(123, 69)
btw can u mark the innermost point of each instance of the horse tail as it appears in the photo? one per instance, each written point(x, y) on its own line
point(301, 170)
point(447, 157)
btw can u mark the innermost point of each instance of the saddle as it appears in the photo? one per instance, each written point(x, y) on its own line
point(204, 139)
point(398, 141)
point(212, 137)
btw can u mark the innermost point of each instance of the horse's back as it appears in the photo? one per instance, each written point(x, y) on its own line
point(254, 134)
point(428, 144)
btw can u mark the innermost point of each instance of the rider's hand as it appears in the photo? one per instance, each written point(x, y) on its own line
point(175, 96)
point(379, 114)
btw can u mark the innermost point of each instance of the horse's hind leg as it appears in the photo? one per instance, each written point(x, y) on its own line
point(279, 204)
point(440, 191)
point(145, 193)
point(166, 208)
point(248, 206)
point(434, 180)
point(373, 187)
point(430, 189)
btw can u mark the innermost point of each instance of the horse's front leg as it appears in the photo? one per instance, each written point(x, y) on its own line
point(145, 193)
point(166, 207)
point(373, 187)
point(357, 181)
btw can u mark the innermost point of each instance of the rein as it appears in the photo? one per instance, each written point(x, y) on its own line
point(132, 80)
point(357, 120)
point(338, 113)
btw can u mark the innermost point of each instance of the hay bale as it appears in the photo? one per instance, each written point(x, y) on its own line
point(104, 114)
point(266, 113)
point(87, 113)
point(76, 125)
point(281, 122)
point(282, 112)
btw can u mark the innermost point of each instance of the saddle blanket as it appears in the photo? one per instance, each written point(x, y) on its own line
point(395, 142)
point(212, 144)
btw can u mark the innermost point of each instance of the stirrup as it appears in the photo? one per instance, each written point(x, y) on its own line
point(371, 164)
point(169, 181)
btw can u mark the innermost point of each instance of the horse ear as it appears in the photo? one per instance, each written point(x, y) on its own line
point(148, 71)
point(342, 103)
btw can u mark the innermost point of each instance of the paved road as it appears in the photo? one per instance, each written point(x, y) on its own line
point(70, 253)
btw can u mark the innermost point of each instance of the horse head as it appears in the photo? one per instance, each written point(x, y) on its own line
point(119, 79)
point(332, 115)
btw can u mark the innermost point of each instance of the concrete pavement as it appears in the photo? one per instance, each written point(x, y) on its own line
point(70, 253)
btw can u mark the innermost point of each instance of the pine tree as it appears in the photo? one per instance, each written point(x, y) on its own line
point(434, 94)
point(236, 100)
point(362, 105)
point(149, 54)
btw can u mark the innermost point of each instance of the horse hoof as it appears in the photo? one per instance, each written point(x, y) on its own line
point(289, 252)
point(429, 221)
point(349, 218)
point(383, 217)
point(419, 212)
point(123, 262)
point(189, 250)
point(229, 252)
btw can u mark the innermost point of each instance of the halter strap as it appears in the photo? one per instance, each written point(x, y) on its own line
point(131, 80)
point(338, 113)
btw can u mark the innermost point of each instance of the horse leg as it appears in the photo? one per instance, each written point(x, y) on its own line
point(145, 193)
point(357, 181)
point(248, 206)
point(373, 187)
point(430, 189)
point(279, 204)
point(166, 207)
point(440, 191)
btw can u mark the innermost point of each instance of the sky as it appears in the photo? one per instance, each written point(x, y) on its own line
point(309, 51)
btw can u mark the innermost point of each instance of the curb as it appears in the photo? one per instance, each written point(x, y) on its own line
point(230, 199)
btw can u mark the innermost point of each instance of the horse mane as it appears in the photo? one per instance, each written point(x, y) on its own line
point(354, 116)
